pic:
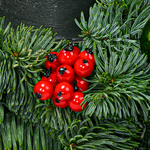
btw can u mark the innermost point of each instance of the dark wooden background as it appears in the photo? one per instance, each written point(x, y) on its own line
point(56, 14)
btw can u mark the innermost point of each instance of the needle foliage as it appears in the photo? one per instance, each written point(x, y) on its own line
point(118, 98)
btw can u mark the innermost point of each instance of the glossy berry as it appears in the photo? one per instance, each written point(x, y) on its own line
point(50, 76)
point(75, 102)
point(65, 73)
point(63, 91)
point(60, 104)
point(77, 49)
point(52, 61)
point(80, 84)
point(43, 90)
point(83, 67)
point(87, 54)
point(68, 55)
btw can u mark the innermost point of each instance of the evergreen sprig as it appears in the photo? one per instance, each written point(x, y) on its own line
point(121, 83)
point(22, 54)
point(119, 89)
point(106, 3)
point(3, 31)
point(16, 133)
point(54, 118)
point(27, 47)
point(118, 22)
point(104, 136)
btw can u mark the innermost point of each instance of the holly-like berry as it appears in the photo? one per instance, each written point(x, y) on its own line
point(63, 91)
point(77, 49)
point(68, 55)
point(60, 104)
point(43, 90)
point(87, 54)
point(80, 85)
point(75, 102)
point(50, 76)
point(52, 61)
point(65, 73)
point(83, 67)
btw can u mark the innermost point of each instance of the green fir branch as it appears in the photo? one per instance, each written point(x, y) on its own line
point(106, 135)
point(118, 22)
point(16, 133)
point(123, 79)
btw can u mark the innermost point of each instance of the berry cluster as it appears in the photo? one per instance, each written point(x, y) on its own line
point(63, 79)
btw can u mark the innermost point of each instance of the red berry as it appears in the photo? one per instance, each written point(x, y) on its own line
point(43, 90)
point(52, 61)
point(77, 49)
point(65, 73)
point(68, 55)
point(87, 54)
point(63, 91)
point(80, 84)
point(83, 67)
point(60, 104)
point(50, 76)
point(75, 102)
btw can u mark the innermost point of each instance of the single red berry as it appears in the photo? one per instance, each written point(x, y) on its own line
point(77, 49)
point(87, 54)
point(65, 73)
point(50, 76)
point(43, 90)
point(60, 104)
point(63, 91)
point(83, 67)
point(52, 61)
point(75, 102)
point(80, 84)
point(68, 55)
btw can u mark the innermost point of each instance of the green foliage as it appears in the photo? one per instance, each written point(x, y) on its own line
point(54, 118)
point(26, 48)
point(145, 40)
point(118, 22)
point(106, 3)
point(119, 93)
point(18, 134)
point(121, 84)
point(145, 138)
point(1, 113)
point(3, 31)
point(104, 136)
point(22, 55)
